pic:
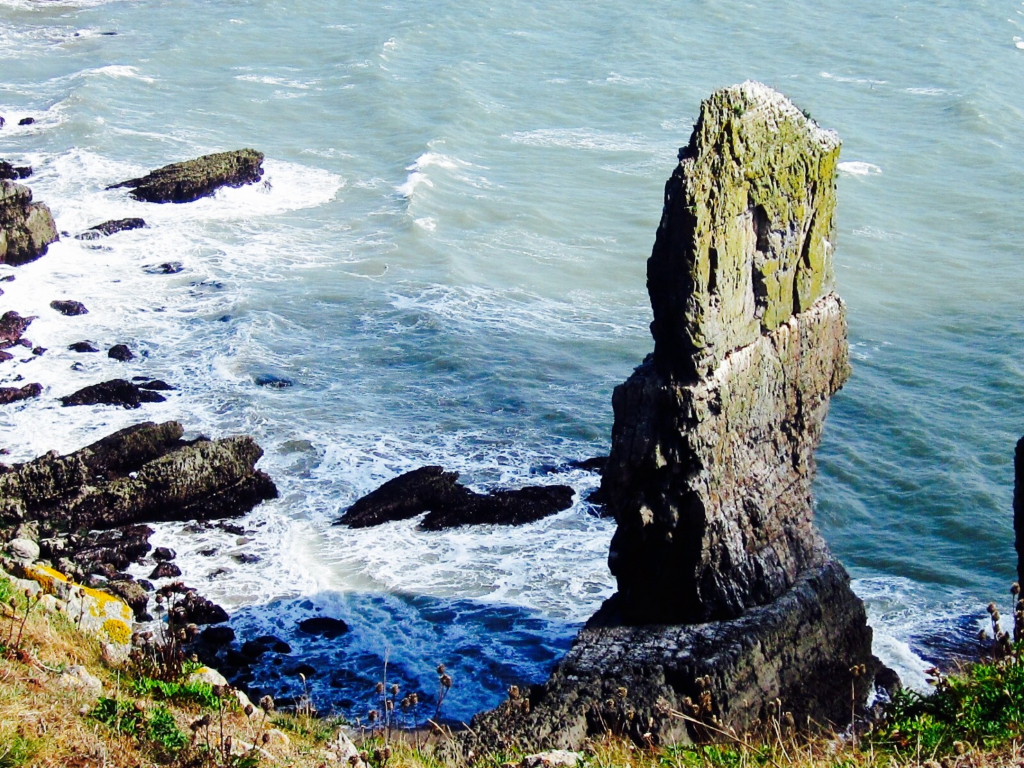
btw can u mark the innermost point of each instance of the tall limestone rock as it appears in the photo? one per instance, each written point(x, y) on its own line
point(728, 598)
point(711, 464)
point(26, 228)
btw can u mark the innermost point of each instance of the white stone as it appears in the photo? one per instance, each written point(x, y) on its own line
point(347, 750)
point(207, 675)
point(23, 550)
point(114, 654)
point(78, 677)
point(278, 738)
point(557, 758)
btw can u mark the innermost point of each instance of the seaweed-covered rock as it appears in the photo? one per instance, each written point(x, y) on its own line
point(193, 179)
point(26, 228)
point(448, 504)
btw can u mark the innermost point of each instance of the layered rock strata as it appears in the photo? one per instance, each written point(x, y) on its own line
point(193, 179)
point(729, 604)
point(26, 228)
point(144, 473)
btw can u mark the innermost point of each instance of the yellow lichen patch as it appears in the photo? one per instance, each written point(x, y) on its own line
point(117, 631)
point(46, 577)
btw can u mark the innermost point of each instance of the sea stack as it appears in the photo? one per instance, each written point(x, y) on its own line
point(730, 609)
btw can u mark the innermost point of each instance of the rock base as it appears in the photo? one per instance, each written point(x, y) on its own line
point(798, 650)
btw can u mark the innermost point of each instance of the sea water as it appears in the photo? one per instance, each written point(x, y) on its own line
point(446, 258)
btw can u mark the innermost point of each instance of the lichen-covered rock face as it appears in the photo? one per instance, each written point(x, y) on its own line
point(193, 179)
point(711, 465)
point(26, 228)
point(747, 230)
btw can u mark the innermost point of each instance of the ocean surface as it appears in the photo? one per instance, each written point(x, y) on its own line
point(447, 260)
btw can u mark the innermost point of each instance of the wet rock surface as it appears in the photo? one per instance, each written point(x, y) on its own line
point(193, 179)
point(9, 172)
point(114, 392)
point(69, 307)
point(111, 227)
point(448, 504)
point(14, 394)
point(121, 353)
point(26, 227)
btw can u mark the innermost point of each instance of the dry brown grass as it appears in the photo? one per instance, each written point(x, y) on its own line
point(45, 724)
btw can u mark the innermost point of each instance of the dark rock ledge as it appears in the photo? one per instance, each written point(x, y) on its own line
point(448, 504)
point(88, 509)
point(193, 179)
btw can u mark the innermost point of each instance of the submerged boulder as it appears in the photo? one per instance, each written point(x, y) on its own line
point(448, 504)
point(26, 228)
point(111, 227)
point(193, 179)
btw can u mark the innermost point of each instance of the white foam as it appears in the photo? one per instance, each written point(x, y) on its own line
point(418, 171)
point(859, 168)
point(120, 71)
point(585, 139)
point(857, 80)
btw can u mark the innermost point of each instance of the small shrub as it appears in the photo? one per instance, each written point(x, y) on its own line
point(163, 730)
point(200, 693)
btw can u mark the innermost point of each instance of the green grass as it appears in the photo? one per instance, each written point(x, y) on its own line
point(200, 694)
point(982, 706)
point(17, 752)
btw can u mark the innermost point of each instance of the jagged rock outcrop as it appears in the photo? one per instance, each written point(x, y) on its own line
point(140, 474)
point(448, 504)
point(728, 598)
point(26, 228)
point(190, 180)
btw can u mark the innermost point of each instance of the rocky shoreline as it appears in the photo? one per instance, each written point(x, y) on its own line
point(82, 518)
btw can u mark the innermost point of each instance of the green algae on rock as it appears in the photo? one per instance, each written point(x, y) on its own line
point(193, 179)
point(747, 232)
point(26, 228)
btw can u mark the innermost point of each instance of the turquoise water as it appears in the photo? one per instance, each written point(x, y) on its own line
point(448, 261)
